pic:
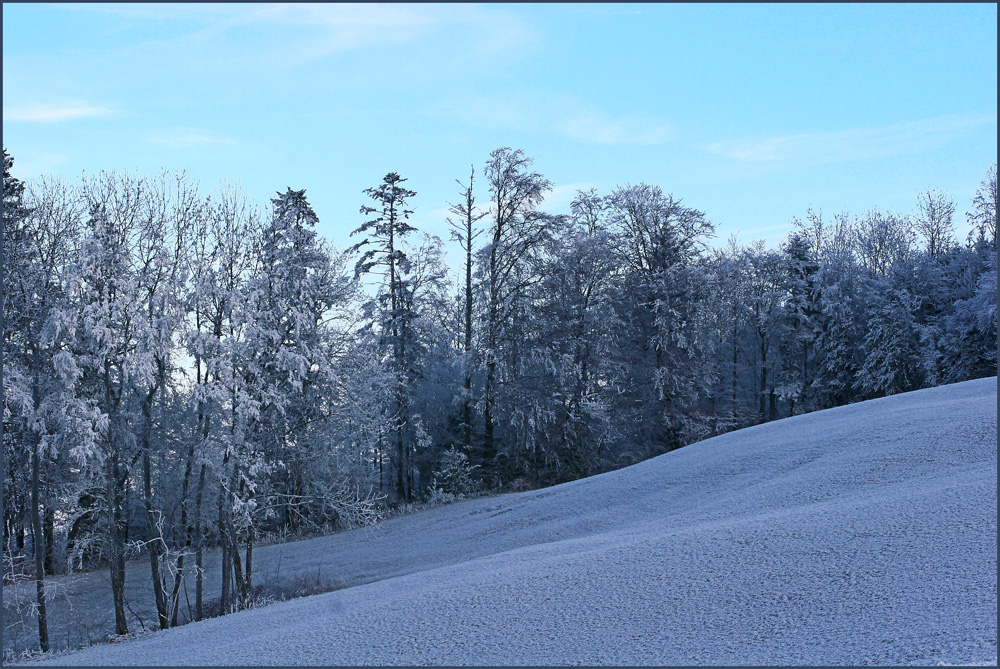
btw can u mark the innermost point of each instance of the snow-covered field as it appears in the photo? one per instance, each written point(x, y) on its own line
point(865, 534)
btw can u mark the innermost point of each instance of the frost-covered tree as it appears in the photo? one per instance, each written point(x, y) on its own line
point(465, 232)
point(200, 341)
point(363, 415)
point(113, 280)
point(801, 309)
point(566, 424)
point(42, 418)
point(958, 315)
point(983, 217)
point(934, 221)
point(883, 239)
point(223, 259)
point(731, 308)
point(454, 477)
point(276, 350)
point(839, 329)
point(665, 287)
point(431, 363)
point(891, 363)
point(969, 341)
point(173, 204)
point(16, 316)
point(766, 293)
point(382, 252)
point(506, 266)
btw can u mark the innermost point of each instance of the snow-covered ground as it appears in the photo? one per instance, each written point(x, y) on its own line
point(865, 534)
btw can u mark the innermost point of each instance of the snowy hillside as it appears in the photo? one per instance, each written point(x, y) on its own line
point(865, 534)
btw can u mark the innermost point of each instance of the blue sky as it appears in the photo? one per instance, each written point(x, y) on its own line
point(751, 113)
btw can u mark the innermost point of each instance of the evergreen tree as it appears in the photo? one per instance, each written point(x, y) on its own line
point(279, 354)
point(797, 347)
point(839, 330)
point(465, 232)
point(386, 231)
point(891, 363)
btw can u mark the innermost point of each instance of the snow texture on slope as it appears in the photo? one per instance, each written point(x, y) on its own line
point(859, 535)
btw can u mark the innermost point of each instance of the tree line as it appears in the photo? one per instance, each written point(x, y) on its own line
point(186, 371)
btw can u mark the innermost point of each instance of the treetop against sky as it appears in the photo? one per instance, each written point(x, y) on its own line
point(751, 113)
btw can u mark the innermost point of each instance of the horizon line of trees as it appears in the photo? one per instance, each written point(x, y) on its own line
point(184, 371)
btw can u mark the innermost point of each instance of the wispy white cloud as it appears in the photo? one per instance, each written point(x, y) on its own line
point(326, 29)
point(559, 198)
point(819, 148)
point(558, 114)
point(155, 11)
point(33, 165)
point(291, 34)
point(189, 138)
point(600, 128)
point(492, 111)
point(603, 9)
point(433, 220)
point(40, 113)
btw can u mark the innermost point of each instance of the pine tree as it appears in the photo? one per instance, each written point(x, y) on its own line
point(891, 363)
point(386, 231)
point(838, 332)
point(464, 231)
point(797, 347)
point(279, 353)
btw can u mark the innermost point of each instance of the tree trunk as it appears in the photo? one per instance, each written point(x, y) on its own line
point(39, 549)
point(153, 543)
point(37, 537)
point(174, 603)
point(248, 576)
point(394, 299)
point(762, 394)
point(49, 533)
point(198, 556)
point(225, 541)
point(241, 588)
point(492, 327)
point(489, 446)
point(241, 585)
point(400, 448)
point(154, 536)
point(734, 374)
point(805, 369)
point(19, 537)
point(226, 538)
point(204, 422)
point(467, 409)
point(117, 521)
